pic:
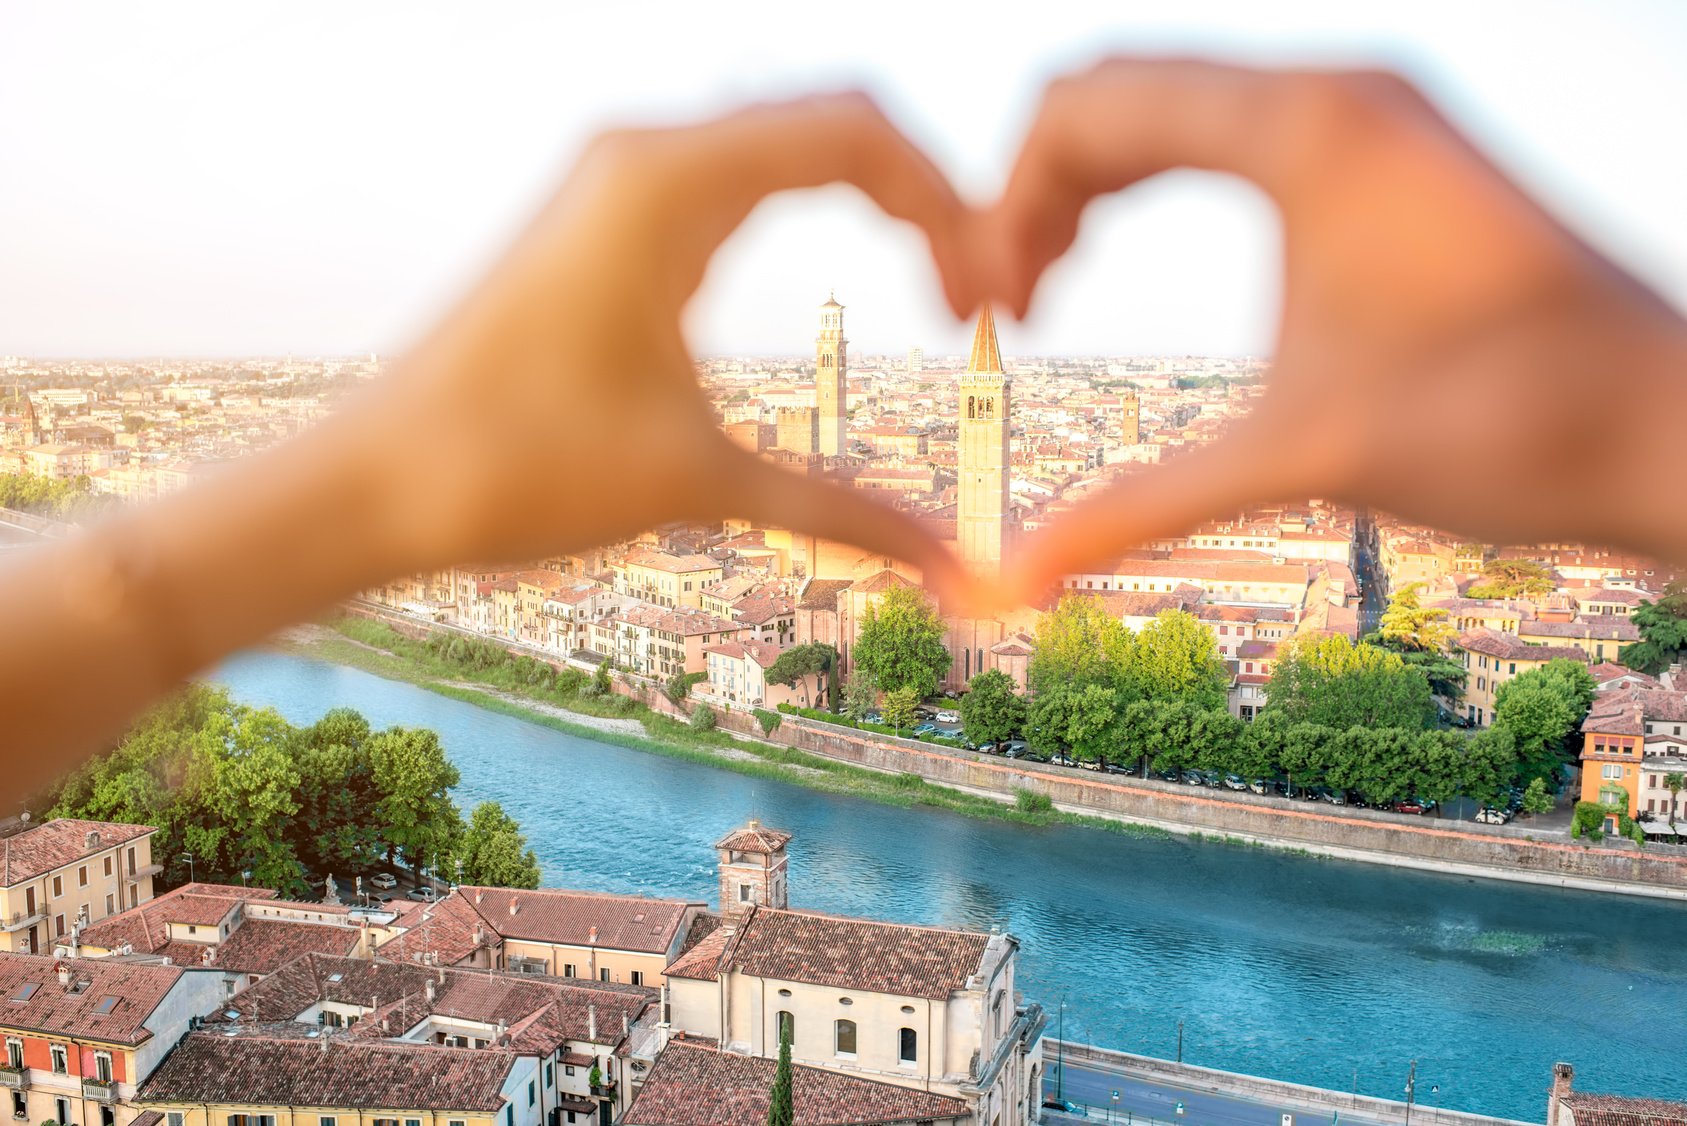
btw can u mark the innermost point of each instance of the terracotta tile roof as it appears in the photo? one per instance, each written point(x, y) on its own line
point(1606, 672)
point(1606, 594)
point(1618, 1110)
point(147, 1118)
point(145, 928)
point(898, 959)
point(986, 353)
point(209, 1067)
point(620, 922)
point(453, 930)
point(822, 594)
point(880, 582)
point(702, 961)
point(1146, 604)
point(262, 946)
point(131, 991)
point(755, 837)
point(692, 1084)
point(299, 984)
point(1599, 627)
point(53, 844)
point(1508, 648)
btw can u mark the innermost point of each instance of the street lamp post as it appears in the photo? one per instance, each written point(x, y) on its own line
point(1435, 1094)
point(1060, 1054)
point(1179, 1041)
point(1411, 1089)
point(188, 856)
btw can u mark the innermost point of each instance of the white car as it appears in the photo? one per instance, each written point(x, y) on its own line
point(948, 717)
point(384, 881)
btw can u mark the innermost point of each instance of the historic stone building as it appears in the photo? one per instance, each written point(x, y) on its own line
point(983, 503)
point(831, 380)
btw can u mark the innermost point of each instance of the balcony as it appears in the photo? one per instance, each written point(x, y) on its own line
point(145, 870)
point(100, 1090)
point(17, 1078)
point(18, 920)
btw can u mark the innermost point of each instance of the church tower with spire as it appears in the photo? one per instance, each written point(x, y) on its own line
point(981, 519)
point(831, 380)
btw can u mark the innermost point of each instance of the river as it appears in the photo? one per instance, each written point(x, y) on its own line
point(1309, 970)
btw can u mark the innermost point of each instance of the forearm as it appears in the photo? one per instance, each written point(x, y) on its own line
point(97, 627)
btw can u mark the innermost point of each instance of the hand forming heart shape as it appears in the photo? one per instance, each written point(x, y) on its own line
point(1438, 337)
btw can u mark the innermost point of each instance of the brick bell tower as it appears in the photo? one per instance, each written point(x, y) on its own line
point(754, 869)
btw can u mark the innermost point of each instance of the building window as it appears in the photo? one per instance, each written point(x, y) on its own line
point(326, 1120)
point(82, 876)
point(20, 1105)
point(110, 903)
point(743, 893)
point(60, 1061)
point(108, 865)
point(603, 974)
point(532, 1097)
point(907, 1046)
point(174, 1118)
point(638, 977)
point(785, 1024)
point(568, 1069)
point(58, 886)
point(102, 1066)
point(14, 1053)
point(843, 1038)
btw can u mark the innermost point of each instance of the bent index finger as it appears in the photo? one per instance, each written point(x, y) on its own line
point(1127, 119)
point(715, 173)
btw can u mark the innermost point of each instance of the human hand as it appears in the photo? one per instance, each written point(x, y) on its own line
point(1446, 351)
point(560, 403)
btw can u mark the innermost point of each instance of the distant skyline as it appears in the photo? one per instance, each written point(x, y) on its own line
point(205, 179)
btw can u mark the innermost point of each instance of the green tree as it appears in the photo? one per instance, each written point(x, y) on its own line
point(901, 642)
point(799, 663)
point(1335, 683)
point(1092, 719)
point(600, 678)
point(1440, 761)
point(1408, 624)
point(251, 799)
point(494, 853)
point(1542, 708)
point(1538, 799)
point(677, 687)
point(1663, 632)
point(1259, 750)
point(1175, 657)
point(413, 780)
point(861, 694)
point(336, 789)
point(1490, 765)
point(1509, 578)
point(899, 705)
point(781, 1098)
point(992, 710)
point(1078, 643)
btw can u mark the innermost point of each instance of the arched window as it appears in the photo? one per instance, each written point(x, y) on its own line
point(989, 408)
point(907, 1046)
point(971, 405)
point(844, 1038)
point(786, 1025)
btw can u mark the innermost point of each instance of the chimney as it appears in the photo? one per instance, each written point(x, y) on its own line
point(429, 992)
point(1562, 1075)
point(478, 896)
point(64, 973)
point(591, 938)
point(591, 1022)
point(626, 1025)
point(515, 904)
point(93, 839)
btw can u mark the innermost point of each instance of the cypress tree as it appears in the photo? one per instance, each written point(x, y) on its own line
point(781, 1104)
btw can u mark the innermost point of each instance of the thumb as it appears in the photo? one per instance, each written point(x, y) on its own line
point(1255, 462)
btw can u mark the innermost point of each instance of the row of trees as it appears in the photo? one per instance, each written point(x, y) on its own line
point(69, 499)
point(243, 790)
point(1350, 716)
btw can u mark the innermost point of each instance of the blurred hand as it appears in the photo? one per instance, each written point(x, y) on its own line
point(559, 408)
point(1446, 351)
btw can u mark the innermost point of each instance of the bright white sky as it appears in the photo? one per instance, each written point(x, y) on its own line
point(256, 178)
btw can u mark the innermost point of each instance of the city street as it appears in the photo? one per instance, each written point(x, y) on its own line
point(1144, 1103)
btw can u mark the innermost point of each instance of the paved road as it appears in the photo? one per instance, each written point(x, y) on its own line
point(1144, 1103)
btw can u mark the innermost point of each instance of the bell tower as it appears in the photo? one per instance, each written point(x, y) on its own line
point(1131, 419)
point(753, 869)
point(831, 379)
point(981, 519)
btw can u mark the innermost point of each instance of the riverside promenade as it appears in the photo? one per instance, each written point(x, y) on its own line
point(1143, 1091)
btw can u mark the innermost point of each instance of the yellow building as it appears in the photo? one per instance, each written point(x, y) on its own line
point(831, 381)
point(982, 503)
point(1492, 659)
point(617, 939)
point(80, 1035)
point(657, 642)
point(1634, 740)
point(67, 870)
point(1601, 636)
point(664, 579)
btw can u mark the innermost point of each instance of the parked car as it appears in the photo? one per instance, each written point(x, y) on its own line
point(1065, 1106)
point(1060, 759)
point(381, 897)
point(1334, 796)
point(1014, 748)
point(1259, 785)
point(1168, 775)
point(1234, 782)
point(383, 880)
point(872, 717)
point(1212, 779)
point(947, 716)
point(1191, 778)
point(423, 895)
point(1031, 754)
point(1409, 805)
point(925, 729)
point(1488, 815)
point(989, 749)
point(1117, 768)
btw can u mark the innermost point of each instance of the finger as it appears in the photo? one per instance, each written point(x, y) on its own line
point(1127, 119)
point(1248, 466)
point(771, 496)
point(715, 174)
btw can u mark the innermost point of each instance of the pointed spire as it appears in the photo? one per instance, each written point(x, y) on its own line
point(986, 354)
